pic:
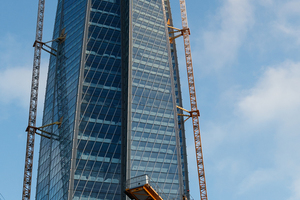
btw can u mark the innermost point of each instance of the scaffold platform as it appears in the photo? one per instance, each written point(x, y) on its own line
point(139, 188)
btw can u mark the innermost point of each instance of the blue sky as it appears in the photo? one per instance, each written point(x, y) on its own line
point(247, 70)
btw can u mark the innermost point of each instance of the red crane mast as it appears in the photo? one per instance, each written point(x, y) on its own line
point(194, 113)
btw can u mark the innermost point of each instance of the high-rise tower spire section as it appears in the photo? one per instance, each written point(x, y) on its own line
point(85, 85)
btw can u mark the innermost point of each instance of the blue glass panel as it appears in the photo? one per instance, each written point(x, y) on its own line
point(153, 146)
point(60, 101)
point(97, 173)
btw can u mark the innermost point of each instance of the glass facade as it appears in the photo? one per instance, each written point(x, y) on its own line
point(98, 159)
point(153, 116)
point(61, 101)
point(114, 83)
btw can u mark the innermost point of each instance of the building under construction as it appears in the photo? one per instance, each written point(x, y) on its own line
point(113, 108)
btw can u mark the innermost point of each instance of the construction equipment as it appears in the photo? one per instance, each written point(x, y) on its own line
point(194, 113)
point(140, 188)
point(145, 192)
point(143, 188)
point(33, 103)
point(31, 128)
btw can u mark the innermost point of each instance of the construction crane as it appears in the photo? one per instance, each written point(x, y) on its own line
point(194, 113)
point(31, 128)
point(143, 188)
point(33, 103)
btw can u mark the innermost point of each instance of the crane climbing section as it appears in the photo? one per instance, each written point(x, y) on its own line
point(33, 103)
point(194, 113)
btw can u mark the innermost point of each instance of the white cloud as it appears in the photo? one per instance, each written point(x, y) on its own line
point(256, 144)
point(15, 86)
point(276, 96)
point(256, 149)
point(257, 179)
point(296, 190)
point(287, 21)
point(14, 51)
point(16, 72)
point(221, 45)
point(229, 165)
point(266, 2)
point(275, 99)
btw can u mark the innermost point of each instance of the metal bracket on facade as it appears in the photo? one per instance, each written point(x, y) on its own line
point(42, 47)
point(44, 133)
point(190, 113)
point(51, 50)
point(177, 30)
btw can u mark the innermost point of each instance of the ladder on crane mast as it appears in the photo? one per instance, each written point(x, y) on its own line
point(194, 113)
point(31, 128)
point(33, 103)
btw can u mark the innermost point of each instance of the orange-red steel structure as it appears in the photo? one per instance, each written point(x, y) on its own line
point(194, 113)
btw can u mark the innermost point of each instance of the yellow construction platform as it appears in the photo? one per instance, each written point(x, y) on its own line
point(144, 192)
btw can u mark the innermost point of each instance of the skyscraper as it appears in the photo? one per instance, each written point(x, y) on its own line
point(114, 82)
